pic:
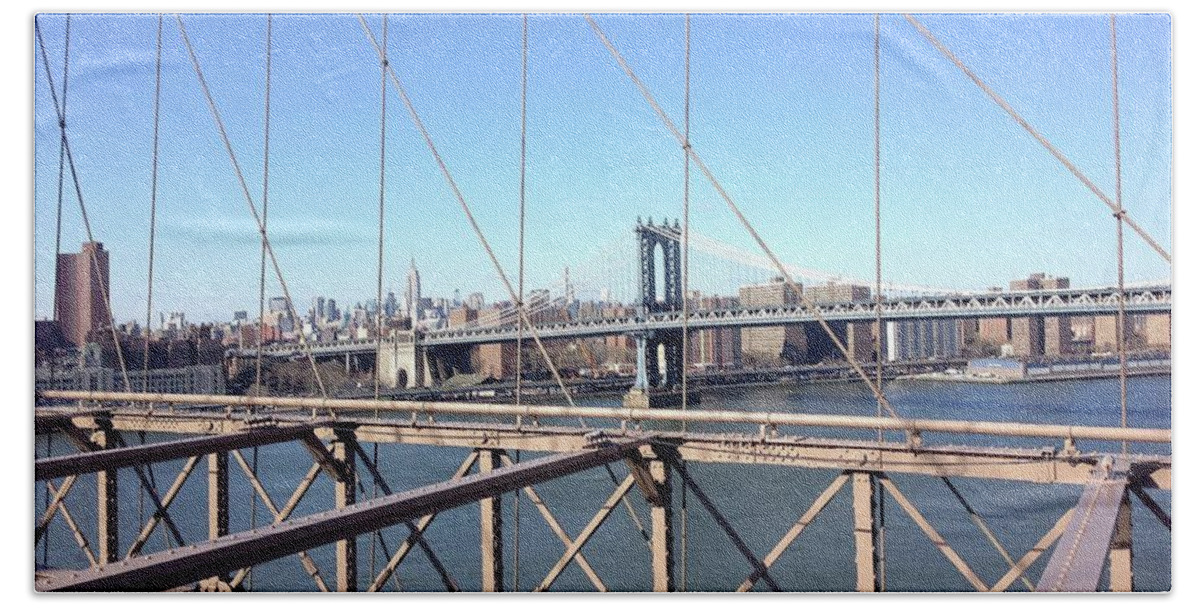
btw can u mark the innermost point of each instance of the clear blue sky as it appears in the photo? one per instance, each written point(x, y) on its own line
point(781, 111)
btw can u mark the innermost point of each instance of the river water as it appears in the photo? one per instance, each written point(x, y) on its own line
point(761, 501)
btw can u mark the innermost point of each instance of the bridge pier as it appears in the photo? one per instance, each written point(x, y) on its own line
point(403, 364)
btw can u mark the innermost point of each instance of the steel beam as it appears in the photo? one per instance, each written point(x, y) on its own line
point(866, 553)
point(1120, 552)
point(344, 497)
point(107, 520)
point(630, 415)
point(166, 570)
point(91, 462)
point(1079, 557)
point(1046, 465)
point(491, 525)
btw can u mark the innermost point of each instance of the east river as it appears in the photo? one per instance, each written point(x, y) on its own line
point(761, 501)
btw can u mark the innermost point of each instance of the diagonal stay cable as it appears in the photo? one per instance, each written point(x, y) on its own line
point(237, 169)
point(700, 164)
point(59, 111)
point(524, 315)
point(470, 216)
point(1038, 136)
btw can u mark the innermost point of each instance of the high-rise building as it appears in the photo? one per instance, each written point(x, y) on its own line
point(922, 339)
point(412, 293)
point(318, 310)
point(81, 283)
point(389, 305)
point(278, 304)
point(331, 310)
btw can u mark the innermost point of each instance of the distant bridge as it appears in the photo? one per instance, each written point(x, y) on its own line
point(1058, 302)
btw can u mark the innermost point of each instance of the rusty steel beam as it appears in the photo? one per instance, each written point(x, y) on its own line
point(1045, 465)
point(634, 415)
point(116, 458)
point(1078, 559)
point(166, 570)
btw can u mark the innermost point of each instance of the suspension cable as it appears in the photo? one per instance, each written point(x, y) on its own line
point(212, 106)
point(804, 300)
point(1120, 215)
point(687, 130)
point(153, 208)
point(1039, 137)
point(262, 260)
point(60, 112)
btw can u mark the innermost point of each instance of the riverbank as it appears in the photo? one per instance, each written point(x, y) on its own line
point(1051, 377)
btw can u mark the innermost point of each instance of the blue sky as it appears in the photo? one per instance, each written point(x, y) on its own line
point(781, 111)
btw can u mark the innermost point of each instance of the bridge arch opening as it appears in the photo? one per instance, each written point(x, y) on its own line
point(660, 272)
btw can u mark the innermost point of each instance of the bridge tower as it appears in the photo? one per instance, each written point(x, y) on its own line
point(660, 352)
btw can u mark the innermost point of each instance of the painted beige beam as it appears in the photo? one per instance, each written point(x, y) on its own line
point(1120, 552)
point(491, 526)
point(866, 531)
point(959, 563)
point(1032, 556)
point(168, 498)
point(793, 533)
point(586, 534)
point(1078, 561)
point(1015, 464)
point(558, 530)
point(634, 415)
point(346, 548)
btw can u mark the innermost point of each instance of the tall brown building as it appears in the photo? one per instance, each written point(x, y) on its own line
point(81, 281)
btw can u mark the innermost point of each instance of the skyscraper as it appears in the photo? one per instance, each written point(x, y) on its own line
point(412, 295)
point(81, 282)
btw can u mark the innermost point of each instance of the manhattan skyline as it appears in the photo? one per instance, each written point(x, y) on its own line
point(781, 110)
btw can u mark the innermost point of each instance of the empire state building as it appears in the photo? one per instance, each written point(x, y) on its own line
point(412, 293)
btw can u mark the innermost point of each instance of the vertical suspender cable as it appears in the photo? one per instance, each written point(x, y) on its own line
point(879, 307)
point(878, 240)
point(383, 65)
point(262, 271)
point(153, 208)
point(687, 162)
point(262, 267)
point(61, 157)
point(150, 257)
point(520, 288)
point(58, 239)
point(1119, 215)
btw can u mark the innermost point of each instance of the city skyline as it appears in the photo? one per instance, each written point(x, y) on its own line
point(961, 209)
